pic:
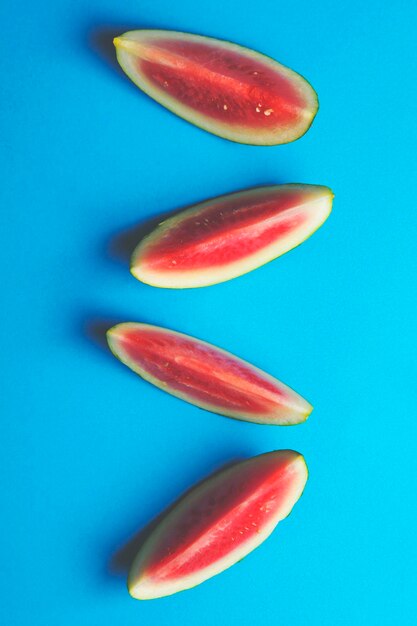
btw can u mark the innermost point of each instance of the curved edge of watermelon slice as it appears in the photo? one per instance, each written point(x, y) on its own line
point(292, 410)
point(317, 209)
point(125, 52)
point(143, 586)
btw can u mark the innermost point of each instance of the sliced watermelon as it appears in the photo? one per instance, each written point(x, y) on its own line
point(206, 376)
point(228, 236)
point(218, 523)
point(228, 90)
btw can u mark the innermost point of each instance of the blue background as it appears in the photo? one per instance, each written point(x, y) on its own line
point(90, 453)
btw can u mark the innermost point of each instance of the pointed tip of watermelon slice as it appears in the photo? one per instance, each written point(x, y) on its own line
point(142, 590)
point(125, 43)
point(116, 335)
point(302, 413)
point(112, 336)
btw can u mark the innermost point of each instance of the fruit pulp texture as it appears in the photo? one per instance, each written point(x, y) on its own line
point(222, 84)
point(225, 516)
point(200, 371)
point(227, 230)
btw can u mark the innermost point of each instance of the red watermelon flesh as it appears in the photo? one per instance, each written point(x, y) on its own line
point(225, 237)
point(218, 523)
point(205, 375)
point(227, 89)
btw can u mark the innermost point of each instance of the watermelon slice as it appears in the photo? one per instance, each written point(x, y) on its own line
point(206, 376)
point(228, 236)
point(226, 89)
point(217, 524)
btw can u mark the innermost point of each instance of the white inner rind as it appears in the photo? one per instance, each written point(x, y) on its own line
point(315, 209)
point(144, 587)
point(291, 408)
point(127, 56)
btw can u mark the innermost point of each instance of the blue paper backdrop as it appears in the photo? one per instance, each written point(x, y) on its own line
point(89, 452)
